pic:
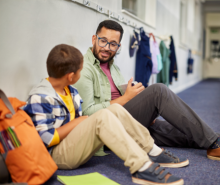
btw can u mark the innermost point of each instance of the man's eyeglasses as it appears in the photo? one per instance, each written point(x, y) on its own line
point(103, 42)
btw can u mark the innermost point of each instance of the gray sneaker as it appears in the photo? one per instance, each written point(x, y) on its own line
point(156, 175)
point(167, 159)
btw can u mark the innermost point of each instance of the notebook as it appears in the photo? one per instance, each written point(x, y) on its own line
point(9, 140)
point(87, 179)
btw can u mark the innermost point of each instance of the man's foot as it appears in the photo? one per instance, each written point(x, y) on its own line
point(156, 175)
point(167, 159)
point(213, 152)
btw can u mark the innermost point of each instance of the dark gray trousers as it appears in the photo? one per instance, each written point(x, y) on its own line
point(182, 128)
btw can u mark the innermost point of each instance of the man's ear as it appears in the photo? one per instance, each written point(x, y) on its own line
point(119, 49)
point(119, 46)
point(93, 39)
point(70, 77)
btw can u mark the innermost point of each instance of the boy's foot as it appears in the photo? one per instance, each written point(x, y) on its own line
point(214, 150)
point(156, 175)
point(167, 159)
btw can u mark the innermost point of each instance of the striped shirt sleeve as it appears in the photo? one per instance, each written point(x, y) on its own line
point(41, 113)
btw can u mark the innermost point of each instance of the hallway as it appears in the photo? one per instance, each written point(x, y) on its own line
point(204, 99)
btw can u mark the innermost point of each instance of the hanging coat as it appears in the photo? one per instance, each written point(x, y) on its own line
point(134, 43)
point(156, 57)
point(173, 62)
point(190, 63)
point(144, 64)
point(163, 75)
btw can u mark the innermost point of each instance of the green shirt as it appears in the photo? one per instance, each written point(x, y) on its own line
point(94, 86)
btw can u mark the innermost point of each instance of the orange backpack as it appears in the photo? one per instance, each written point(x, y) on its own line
point(26, 157)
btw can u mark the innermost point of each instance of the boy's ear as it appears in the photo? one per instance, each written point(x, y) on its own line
point(70, 77)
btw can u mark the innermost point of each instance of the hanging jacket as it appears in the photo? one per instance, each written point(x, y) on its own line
point(190, 63)
point(173, 62)
point(134, 43)
point(163, 75)
point(144, 64)
point(159, 60)
point(156, 57)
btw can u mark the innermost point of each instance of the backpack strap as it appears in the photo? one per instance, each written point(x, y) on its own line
point(4, 174)
point(6, 101)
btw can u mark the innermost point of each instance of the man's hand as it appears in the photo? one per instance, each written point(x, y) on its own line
point(132, 91)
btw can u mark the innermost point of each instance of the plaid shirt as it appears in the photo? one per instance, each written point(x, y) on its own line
point(49, 112)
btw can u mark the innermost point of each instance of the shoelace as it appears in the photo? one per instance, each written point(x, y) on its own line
point(170, 154)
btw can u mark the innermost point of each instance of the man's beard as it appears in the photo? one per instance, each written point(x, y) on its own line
point(95, 53)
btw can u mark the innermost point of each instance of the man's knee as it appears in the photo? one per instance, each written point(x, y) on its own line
point(158, 87)
point(155, 88)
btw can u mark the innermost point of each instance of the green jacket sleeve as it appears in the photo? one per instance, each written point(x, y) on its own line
point(85, 87)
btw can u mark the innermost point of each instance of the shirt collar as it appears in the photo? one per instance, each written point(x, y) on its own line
point(94, 60)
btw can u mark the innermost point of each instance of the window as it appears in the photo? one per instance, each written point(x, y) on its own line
point(183, 18)
point(196, 18)
point(130, 6)
point(144, 10)
point(197, 26)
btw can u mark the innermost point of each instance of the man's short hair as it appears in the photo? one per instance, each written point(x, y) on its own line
point(63, 59)
point(112, 25)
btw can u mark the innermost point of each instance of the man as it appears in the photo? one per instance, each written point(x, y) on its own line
point(99, 87)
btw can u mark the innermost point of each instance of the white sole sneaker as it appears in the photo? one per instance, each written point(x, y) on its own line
point(175, 165)
point(145, 182)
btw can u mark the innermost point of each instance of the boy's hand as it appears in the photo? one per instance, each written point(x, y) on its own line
point(132, 91)
point(81, 118)
point(64, 130)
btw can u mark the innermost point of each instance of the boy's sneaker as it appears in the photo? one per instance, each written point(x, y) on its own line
point(167, 159)
point(156, 175)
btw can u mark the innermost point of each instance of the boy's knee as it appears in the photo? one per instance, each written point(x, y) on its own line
point(105, 117)
point(104, 112)
point(116, 106)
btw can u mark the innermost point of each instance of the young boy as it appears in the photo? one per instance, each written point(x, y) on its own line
point(72, 139)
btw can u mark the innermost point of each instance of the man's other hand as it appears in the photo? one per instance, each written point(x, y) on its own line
point(132, 91)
